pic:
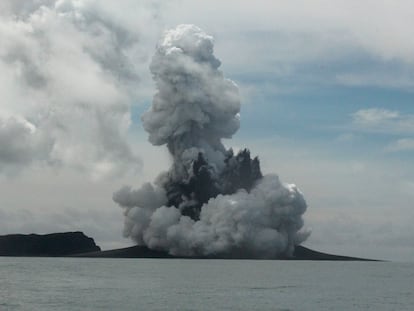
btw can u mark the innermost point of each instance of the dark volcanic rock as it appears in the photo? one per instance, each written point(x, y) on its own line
point(55, 244)
point(303, 253)
point(77, 244)
point(128, 252)
point(300, 253)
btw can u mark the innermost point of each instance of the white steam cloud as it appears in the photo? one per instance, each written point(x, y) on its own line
point(211, 202)
point(67, 71)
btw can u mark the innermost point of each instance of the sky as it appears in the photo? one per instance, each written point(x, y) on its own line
point(327, 91)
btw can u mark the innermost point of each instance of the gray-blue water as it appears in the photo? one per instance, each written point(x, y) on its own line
point(151, 284)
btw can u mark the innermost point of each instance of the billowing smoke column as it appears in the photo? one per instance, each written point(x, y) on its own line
point(211, 202)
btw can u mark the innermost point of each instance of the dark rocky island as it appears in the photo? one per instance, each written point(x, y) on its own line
point(48, 245)
point(77, 244)
point(300, 253)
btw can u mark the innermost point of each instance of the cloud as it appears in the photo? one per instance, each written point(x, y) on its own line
point(379, 120)
point(21, 143)
point(318, 41)
point(44, 201)
point(351, 196)
point(69, 72)
point(370, 24)
point(72, 69)
point(374, 116)
point(356, 232)
point(377, 78)
point(403, 144)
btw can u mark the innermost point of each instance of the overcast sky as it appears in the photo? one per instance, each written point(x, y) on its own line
point(327, 103)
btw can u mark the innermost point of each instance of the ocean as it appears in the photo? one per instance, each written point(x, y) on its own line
point(177, 284)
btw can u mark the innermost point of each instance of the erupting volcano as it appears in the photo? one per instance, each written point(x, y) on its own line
point(211, 201)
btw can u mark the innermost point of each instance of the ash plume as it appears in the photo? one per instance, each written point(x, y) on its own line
point(211, 201)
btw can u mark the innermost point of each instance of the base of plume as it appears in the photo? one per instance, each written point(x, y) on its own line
point(77, 244)
point(300, 253)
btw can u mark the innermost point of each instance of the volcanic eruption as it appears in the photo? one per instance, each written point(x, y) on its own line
point(211, 202)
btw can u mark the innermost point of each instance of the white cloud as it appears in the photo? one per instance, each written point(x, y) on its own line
point(379, 120)
point(280, 37)
point(374, 116)
point(378, 78)
point(373, 25)
point(70, 69)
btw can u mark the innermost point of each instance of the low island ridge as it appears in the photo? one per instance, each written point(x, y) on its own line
point(77, 244)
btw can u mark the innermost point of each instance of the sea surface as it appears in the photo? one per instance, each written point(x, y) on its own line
point(175, 284)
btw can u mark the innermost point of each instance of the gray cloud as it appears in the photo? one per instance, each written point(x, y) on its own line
point(21, 143)
point(70, 71)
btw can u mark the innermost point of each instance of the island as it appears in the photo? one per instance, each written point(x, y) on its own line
point(300, 253)
point(47, 245)
point(77, 244)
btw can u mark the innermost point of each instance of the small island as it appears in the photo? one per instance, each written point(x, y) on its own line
point(47, 245)
point(300, 253)
point(77, 244)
